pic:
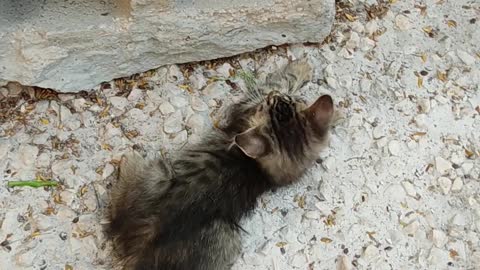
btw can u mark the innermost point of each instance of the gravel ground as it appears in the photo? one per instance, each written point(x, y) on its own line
point(398, 188)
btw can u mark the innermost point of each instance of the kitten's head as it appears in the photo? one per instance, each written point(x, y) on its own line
point(282, 133)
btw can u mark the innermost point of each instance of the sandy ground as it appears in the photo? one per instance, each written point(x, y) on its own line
point(398, 187)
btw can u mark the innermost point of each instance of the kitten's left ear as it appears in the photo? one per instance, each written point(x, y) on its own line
point(321, 111)
point(252, 143)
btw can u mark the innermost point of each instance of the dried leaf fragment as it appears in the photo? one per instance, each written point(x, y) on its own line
point(419, 82)
point(424, 57)
point(442, 76)
point(452, 23)
point(281, 244)
point(44, 121)
point(468, 153)
point(326, 240)
point(68, 267)
point(107, 147)
point(453, 253)
point(350, 17)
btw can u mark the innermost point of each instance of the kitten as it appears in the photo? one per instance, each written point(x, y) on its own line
point(185, 216)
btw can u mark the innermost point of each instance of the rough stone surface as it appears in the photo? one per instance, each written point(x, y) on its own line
point(75, 45)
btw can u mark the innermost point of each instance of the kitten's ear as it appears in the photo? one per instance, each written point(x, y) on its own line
point(321, 111)
point(252, 143)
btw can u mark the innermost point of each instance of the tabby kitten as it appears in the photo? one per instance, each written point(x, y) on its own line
point(185, 216)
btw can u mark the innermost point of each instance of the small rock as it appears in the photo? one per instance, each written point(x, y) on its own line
point(166, 108)
point(135, 94)
point(465, 57)
point(198, 104)
point(403, 23)
point(329, 163)
point(371, 27)
point(457, 184)
point(467, 167)
point(174, 73)
point(43, 160)
point(411, 228)
point(394, 148)
point(409, 189)
point(421, 121)
point(445, 184)
point(459, 220)
point(41, 139)
point(107, 170)
point(378, 132)
point(173, 123)
point(224, 70)
point(299, 260)
point(357, 27)
point(439, 238)
point(370, 253)
point(443, 166)
point(196, 123)
point(356, 120)
point(181, 137)
point(79, 104)
point(119, 103)
point(424, 105)
point(27, 155)
point(214, 90)
point(65, 97)
point(353, 42)
point(198, 81)
point(343, 263)
point(178, 102)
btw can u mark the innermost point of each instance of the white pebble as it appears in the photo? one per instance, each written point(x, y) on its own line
point(443, 166)
point(371, 27)
point(394, 147)
point(412, 228)
point(135, 94)
point(445, 184)
point(357, 27)
point(178, 102)
point(79, 104)
point(424, 105)
point(457, 184)
point(224, 70)
point(181, 137)
point(119, 102)
point(439, 238)
point(403, 23)
point(465, 57)
point(409, 189)
point(370, 253)
point(343, 263)
point(353, 42)
point(198, 104)
point(356, 120)
point(198, 81)
point(166, 108)
point(173, 123)
point(378, 132)
point(329, 163)
point(196, 123)
point(459, 220)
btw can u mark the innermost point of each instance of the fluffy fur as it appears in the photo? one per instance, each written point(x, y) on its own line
point(185, 215)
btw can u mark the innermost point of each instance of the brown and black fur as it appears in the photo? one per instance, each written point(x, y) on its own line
point(185, 216)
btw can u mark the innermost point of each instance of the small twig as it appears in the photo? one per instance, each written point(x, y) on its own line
point(34, 184)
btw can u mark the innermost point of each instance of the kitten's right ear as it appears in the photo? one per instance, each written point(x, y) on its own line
point(252, 143)
point(320, 113)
